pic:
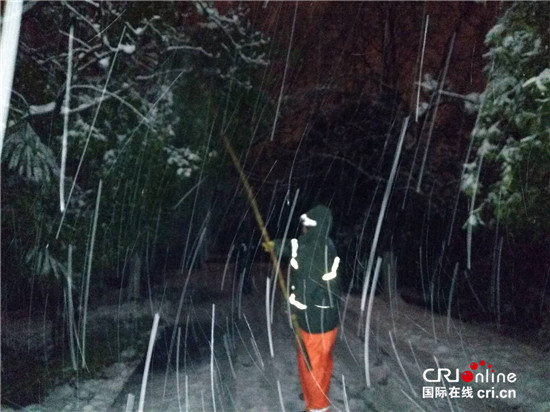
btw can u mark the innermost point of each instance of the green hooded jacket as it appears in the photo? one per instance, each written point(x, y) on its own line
point(314, 281)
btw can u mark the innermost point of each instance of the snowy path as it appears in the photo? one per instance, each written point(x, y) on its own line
point(253, 381)
point(246, 378)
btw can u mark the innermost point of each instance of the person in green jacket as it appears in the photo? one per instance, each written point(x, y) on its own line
point(314, 297)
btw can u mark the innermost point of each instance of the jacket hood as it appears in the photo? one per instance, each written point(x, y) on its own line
point(318, 220)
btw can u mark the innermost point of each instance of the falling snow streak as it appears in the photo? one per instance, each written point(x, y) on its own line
point(382, 212)
point(240, 291)
point(11, 24)
point(295, 157)
point(346, 402)
point(543, 290)
point(180, 304)
point(348, 346)
point(432, 313)
point(252, 358)
point(177, 366)
point(445, 386)
point(472, 219)
point(421, 64)
point(498, 281)
point(89, 274)
point(451, 293)
point(472, 289)
point(185, 343)
point(229, 254)
point(401, 365)
point(455, 208)
point(152, 339)
point(356, 260)
point(284, 74)
point(186, 393)
point(254, 344)
point(70, 307)
point(494, 274)
point(228, 352)
point(280, 396)
point(414, 357)
point(393, 294)
point(367, 323)
point(212, 357)
point(90, 132)
point(434, 115)
point(268, 321)
point(66, 123)
point(415, 156)
point(130, 402)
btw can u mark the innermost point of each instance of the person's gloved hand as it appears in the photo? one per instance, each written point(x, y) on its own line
point(268, 246)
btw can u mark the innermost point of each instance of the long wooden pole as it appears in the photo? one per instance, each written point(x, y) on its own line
point(265, 236)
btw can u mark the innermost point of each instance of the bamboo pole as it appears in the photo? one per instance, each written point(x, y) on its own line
point(266, 238)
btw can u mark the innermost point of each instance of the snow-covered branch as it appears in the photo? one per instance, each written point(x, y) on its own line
point(36, 110)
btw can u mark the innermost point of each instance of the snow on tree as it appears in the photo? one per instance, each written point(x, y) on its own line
point(133, 67)
point(144, 80)
point(511, 139)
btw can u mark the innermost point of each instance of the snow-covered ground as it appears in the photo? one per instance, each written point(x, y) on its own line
point(240, 374)
point(90, 395)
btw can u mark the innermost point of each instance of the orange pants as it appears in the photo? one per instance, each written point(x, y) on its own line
point(316, 383)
